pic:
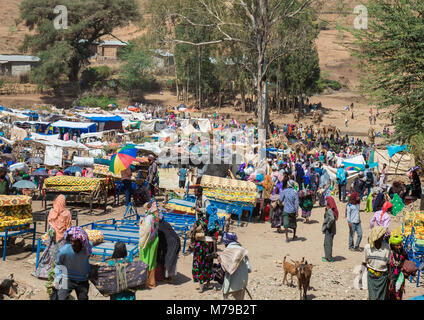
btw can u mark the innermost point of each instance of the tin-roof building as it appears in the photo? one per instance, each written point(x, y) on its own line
point(16, 65)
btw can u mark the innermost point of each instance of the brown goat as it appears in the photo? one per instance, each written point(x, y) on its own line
point(303, 274)
point(290, 268)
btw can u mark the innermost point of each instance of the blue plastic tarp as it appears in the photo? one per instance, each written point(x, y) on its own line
point(359, 167)
point(393, 149)
point(106, 119)
point(102, 161)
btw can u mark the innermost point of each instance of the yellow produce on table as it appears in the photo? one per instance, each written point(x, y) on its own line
point(95, 236)
point(14, 210)
point(414, 220)
point(176, 207)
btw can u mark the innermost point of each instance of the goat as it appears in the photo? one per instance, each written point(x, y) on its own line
point(303, 274)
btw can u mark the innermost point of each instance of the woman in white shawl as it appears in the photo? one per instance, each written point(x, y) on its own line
point(235, 262)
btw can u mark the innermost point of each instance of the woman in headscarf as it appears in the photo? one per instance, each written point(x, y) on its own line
point(382, 183)
point(377, 260)
point(149, 241)
point(382, 218)
point(416, 185)
point(329, 228)
point(268, 186)
point(168, 249)
point(73, 259)
point(59, 221)
point(399, 188)
point(275, 211)
point(398, 257)
point(305, 200)
point(202, 246)
point(235, 262)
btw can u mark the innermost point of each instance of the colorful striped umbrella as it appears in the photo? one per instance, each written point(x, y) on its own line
point(122, 159)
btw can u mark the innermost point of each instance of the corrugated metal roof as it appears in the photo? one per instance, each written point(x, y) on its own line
point(106, 42)
point(112, 43)
point(18, 58)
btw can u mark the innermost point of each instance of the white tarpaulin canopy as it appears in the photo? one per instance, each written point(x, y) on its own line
point(355, 160)
point(64, 144)
point(332, 172)
point(399, 164)
point(73, 125)
point(45, 137)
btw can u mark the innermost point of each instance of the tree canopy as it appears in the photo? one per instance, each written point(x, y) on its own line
point(254, 34)
point(392, 49)
point(64, 52)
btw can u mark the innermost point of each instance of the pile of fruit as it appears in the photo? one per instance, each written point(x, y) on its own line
point(12, 221)
point(95, 236)
point(14, 216)
point(414, 219)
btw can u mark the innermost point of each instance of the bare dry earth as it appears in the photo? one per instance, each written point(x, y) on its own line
point(330, 281)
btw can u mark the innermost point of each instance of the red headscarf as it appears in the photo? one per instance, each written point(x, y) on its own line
point(386, 206)
point(332, 204)
point(354, 198)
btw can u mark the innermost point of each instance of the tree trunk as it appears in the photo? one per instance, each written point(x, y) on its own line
point(243, 98)
point(301, 105)
point(178, 91)
point(199, 66)
point(184, 92)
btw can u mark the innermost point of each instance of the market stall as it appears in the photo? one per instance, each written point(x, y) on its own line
point(15, 218)
point(233, 196)
point(78, 189)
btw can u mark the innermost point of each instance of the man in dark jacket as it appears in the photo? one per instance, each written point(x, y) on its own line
point(359, 184)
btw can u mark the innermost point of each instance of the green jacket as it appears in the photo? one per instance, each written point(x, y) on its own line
point(329, 224)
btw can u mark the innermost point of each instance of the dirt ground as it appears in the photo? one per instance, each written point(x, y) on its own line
point(330, 281)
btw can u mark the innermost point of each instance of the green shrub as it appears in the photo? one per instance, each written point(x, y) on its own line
point(97, 102)
point(96, 76)
point(326, 83)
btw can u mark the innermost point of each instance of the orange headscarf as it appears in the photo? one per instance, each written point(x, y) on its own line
point(59, 217)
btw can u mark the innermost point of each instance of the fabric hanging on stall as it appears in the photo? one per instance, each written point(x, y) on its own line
point(159, 126)
point(53, 156)
point(188, 130)
point(83, 161)
point(204, 125)
point(147, 125)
